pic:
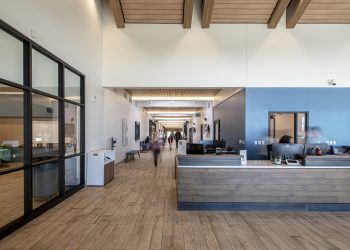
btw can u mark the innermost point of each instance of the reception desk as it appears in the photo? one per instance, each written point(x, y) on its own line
point(260, 185)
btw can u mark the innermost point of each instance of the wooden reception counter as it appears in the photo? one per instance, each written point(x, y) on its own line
point(203, 183)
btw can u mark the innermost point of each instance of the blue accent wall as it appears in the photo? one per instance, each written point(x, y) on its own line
point(328, 108)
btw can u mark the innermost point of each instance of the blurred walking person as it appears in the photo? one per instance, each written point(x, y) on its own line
point(156, 151)
point(177, 137)
point(170, 140)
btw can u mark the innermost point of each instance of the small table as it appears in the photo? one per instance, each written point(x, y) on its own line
point(131, 153)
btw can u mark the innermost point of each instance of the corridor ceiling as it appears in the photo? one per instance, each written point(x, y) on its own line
point(231, 11)
point(172, 93)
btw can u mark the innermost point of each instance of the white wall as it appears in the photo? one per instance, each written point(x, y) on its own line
point(116, 108)
point(226, 55)
point(72, 30)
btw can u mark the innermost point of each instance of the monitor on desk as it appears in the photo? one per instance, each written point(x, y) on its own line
point(195, 148)
point(287, 150)
point(219, 144)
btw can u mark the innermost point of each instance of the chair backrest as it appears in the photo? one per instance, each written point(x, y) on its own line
point(269, 150)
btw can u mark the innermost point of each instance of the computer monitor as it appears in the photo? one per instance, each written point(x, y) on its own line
point(287, 150)
point(206, 142)
point(220, 144)
point(195, 148)
point(311, 147)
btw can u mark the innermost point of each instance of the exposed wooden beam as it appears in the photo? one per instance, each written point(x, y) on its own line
point(207, 10)
point(278, 13)
point(188, 10)
point(295, 10)
point(117, 13)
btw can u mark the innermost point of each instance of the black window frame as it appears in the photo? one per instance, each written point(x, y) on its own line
point(28, 165)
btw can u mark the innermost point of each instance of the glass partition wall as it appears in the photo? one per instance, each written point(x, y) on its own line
point(41, 130)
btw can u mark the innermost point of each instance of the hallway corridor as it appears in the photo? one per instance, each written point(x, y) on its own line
point(138, 211)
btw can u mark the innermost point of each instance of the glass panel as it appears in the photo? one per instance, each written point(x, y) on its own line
point(45, 183)
point(45, 73)
point(72, 172)
point(11, 59)
point(11, 197)
point(72, 129)
point(45, 128)
point(71, 85)
point(301, 131)
point(11, 127)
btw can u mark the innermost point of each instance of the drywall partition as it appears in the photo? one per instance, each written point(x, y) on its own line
point(72, 30)
point(225, 55)
point(231, 114)
point(328, 108)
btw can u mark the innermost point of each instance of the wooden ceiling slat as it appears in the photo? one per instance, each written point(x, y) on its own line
point(152, 12)
point(327, 11)
point(278, 13)
point(207, 11)
point(152, 7)
point(240, 21)
point(246, 1)
point(173, 92)
point(266, 6)
point(329, 21)
point(241, 11)
point(187, 13)
point(153, 17)
point(117, 13)
point(295, 10)
point(153, 1)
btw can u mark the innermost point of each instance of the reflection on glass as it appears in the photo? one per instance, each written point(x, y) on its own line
point(71, 85)
point(72, 129)
point(44, 73)
point(11, 197)
point(72, 172)
point(11, 127)
point(45, 183)
point(11, 59)
point(45, 128)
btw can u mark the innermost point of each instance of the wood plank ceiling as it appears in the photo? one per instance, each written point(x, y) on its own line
point(232, 11)
point(173, 92)
point(243, 11)
point(327, 12)
point(152, 11)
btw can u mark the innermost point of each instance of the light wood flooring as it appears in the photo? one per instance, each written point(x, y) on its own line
point(138, 211)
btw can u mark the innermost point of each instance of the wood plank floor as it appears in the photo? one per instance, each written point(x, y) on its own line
point(138, 211)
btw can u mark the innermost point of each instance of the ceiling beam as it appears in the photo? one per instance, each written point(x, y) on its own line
point(188, 10)
point(295, 10)
point(278, 13)
point(117, 13)
point(207, 11)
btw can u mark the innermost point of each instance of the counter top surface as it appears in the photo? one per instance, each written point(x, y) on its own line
point(251, 164)
point(214, 156)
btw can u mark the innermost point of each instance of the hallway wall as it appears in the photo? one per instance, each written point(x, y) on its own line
point(118, 108)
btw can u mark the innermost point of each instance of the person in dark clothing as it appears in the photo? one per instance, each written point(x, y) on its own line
point(177, 137)
point(286, 139)
point(156, 151)
point(170, 140)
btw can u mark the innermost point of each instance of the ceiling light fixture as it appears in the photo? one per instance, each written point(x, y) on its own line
point(173, 98)
point(171, 112)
